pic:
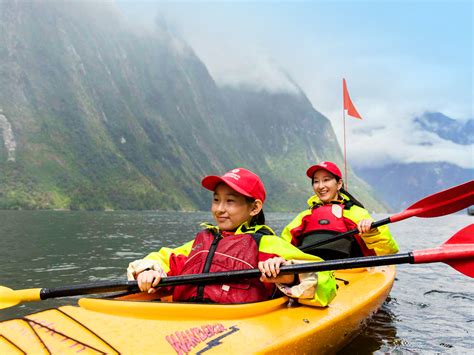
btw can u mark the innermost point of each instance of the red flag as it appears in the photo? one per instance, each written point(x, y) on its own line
point(348, 105)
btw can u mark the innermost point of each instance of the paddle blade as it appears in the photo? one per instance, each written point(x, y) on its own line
point(6, 299)
point(465, 267)
point(464, 236)
point(457, 252)
point(446, 202)
point(10, 298)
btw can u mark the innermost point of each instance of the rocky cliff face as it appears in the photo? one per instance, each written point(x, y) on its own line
point(97, 115)
point(8, 137)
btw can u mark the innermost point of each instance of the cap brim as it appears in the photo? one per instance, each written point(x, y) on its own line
point(310, 172)
point(210, 182)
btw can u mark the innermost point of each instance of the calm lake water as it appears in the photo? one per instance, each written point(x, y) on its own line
point(430, 309)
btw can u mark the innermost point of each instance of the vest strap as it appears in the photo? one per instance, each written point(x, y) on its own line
point(257, 236)
point(208, 263)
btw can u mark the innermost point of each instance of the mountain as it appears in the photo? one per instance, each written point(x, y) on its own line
point(447, 128)
point(293, 136)
point(95, 114)
point(401, 184)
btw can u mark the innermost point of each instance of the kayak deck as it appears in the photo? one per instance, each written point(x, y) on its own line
point(279, 325)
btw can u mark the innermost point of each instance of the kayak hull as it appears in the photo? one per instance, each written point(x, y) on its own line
point(281, 325)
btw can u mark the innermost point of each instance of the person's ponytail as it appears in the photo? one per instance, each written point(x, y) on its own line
point(351, 198)
point(259, 219)
point(344, 191)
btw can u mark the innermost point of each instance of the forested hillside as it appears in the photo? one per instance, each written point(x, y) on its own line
point(95, 114)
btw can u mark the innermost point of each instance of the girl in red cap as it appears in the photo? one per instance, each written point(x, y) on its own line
point(239, 240)
point(332, 210)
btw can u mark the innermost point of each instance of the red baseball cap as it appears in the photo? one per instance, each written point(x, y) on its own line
point(241, 180)
point(324, 165)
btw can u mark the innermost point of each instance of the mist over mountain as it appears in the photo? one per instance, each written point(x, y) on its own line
point(447, 128)
point(95, 114)
point(401, 184)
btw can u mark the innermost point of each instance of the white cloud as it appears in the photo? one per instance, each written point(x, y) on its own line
point(253, 68)
point(389, 80)
point(401, 141)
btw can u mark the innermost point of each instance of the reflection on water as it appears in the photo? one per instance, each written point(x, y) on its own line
point(452, 295)
point(385, 339)
point(430, 308)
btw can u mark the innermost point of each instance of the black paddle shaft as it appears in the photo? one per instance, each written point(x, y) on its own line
point(226, 276)
point(350, 263)
point(88, 289)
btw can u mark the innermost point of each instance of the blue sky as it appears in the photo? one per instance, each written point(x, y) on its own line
point(400, 59)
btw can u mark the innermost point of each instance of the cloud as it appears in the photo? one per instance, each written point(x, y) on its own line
point(402, 142)
point(232, 53)
point(388, 95)
point(253, 68)
point(397, 66)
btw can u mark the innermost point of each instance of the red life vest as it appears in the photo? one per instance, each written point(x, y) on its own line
point(324, 222)
point(214, 253)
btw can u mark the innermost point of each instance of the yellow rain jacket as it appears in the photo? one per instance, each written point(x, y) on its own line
point(378, 239)
point(270, 245)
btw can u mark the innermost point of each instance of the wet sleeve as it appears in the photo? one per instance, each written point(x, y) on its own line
point(294, 229)
point(325, 289)
point(171, 260)
point(379, 239)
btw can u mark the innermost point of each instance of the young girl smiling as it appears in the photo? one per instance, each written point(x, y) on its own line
point(333, 210)
point(239, 240)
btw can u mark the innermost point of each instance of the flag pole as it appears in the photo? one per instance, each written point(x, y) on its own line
point(345, 154)
point(351, 111)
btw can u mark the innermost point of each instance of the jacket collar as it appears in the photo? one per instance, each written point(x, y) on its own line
point(315, 201)
point(244, 228)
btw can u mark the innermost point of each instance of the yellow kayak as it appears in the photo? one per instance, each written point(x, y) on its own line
point(134, 325)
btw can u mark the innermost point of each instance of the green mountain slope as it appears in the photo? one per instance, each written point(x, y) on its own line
point(102, 116)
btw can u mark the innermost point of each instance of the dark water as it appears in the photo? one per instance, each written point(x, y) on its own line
point(430, 309)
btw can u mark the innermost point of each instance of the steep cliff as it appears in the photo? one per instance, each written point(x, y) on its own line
point(97, 115)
